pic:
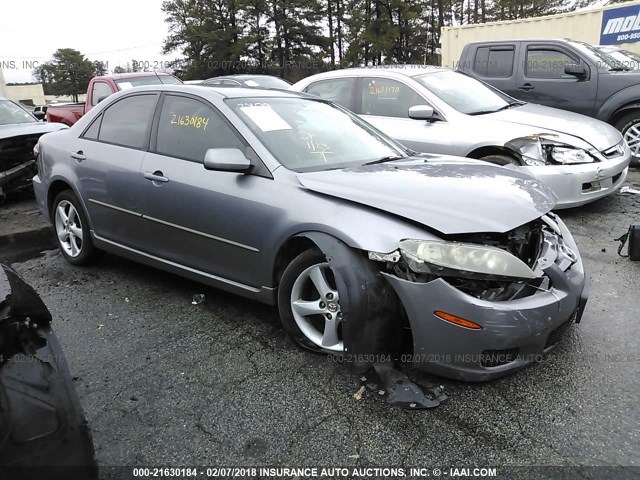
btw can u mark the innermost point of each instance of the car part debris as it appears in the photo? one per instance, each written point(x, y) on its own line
point(41, 421)
point(633, 237)
point(198, 298)
point(628, 189)
point(395, 388)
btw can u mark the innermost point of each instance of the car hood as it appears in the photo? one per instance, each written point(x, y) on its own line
point(599, 134)
point(36, 128)
point(447, 194)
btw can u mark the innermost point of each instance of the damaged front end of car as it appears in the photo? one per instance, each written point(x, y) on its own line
point(17, 162)
point(481, 305)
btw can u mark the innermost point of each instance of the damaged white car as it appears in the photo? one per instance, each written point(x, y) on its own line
point(438, 110)
point(19, 133)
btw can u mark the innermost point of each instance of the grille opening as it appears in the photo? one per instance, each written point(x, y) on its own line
point(495, 358)
point(616, 177)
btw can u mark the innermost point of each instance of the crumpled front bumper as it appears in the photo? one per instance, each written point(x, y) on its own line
point(576, 185)
point(520, 330)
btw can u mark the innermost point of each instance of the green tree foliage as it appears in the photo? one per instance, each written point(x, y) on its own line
point(68, 73)
point(295, 38)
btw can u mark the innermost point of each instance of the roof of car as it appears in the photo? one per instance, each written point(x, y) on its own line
point(120, 76)
point(225, 91)
point(400, 69)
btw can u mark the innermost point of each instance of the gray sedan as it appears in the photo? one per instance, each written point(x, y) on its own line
point(369, 253)
point(437, 110)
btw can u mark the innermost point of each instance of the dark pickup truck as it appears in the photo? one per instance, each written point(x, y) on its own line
point(564, 74)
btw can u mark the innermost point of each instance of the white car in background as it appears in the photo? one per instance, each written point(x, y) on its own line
point(438, 110)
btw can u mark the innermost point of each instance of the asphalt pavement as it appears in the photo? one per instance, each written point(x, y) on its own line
point(167, 382)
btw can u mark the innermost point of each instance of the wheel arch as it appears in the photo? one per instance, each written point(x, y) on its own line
point(487, 150)
point(372, 308)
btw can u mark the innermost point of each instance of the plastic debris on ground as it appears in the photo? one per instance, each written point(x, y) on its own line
point(395, 388)
point(198, 298)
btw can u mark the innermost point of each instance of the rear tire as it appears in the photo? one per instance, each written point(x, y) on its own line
point(72, 229)
point(308, 302)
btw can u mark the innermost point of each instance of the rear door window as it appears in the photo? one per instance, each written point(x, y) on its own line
point(338, 90)
point(127, 122)
point(494, 62)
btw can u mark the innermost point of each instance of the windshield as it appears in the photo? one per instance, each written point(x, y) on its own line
point(308, 135)
point(12, 113)
point(266, 82)
point(465, 94)
point(126, 83)
point(600, 58)
point(626, 58)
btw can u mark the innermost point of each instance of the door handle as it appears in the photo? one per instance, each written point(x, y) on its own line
point(526, 87)
point(156, 177)
point(79, 155)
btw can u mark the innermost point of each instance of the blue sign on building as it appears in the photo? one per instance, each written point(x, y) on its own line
point(620, 25)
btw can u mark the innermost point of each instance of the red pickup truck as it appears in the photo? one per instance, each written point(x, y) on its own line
point(100, 88)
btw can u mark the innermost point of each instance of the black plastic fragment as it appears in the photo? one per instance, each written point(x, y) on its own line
point(395, 388)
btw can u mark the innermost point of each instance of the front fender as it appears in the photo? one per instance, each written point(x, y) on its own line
point(372, 325)
point(625, 99)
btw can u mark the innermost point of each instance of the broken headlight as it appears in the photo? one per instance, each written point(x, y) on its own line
point(551, 150)
point(466, 260)
point(569, 155)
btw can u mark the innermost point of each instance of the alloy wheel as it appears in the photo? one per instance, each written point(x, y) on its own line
point(69, 228)
point(316, 308)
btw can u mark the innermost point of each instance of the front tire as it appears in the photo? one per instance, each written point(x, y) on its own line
point(309, 304)
point(629, 126)
point(72, 229)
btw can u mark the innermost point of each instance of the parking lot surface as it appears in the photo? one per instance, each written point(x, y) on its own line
point(167, 382)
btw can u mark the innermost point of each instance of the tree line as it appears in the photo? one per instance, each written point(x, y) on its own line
point(295, 38)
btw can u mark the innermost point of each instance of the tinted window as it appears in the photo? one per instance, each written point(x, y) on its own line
point(337, 90)
point(92, 132)
point(547, 63)
point(126, 122)
point(494, 62)
point(388, 98)
point(100, 90)
point(188, 128)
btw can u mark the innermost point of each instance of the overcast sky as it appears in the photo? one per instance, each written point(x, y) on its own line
point(114, 31)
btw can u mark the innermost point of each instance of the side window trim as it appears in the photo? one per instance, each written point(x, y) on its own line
point(145, 146)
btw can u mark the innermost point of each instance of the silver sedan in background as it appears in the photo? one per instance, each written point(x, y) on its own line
point(438, 110)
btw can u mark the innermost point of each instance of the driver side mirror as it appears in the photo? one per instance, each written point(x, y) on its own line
point(101, 99)
point(576, 70)
point(421, 112)
point(227, 160)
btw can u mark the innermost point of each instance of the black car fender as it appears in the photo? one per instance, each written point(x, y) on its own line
point(372, 329)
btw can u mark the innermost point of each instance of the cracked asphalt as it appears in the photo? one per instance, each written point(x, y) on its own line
point(165, 382)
